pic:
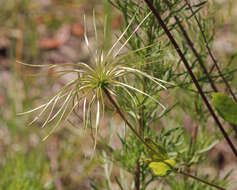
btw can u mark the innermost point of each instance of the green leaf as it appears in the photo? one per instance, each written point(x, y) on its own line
point(208, 147)
point(162, 168)
point(157, 153)
point(226, 107)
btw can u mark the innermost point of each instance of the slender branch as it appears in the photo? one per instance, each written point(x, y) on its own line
point(211, 54)
point(138, 170)
point(137, 176)
point(176, 46)
point(107, 93)
point(190, 43)
point(135, 132)
point(121, 114)
point(199, 179)
point(141, 114)
point(213, 60)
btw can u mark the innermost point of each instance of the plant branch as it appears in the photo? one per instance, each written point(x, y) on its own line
point(138, 171)
point(213, 60)
point(135, 132)
point(107, 93)
point(176, 46)
point(137, 176)
point(190, 43)
point(199, 179)
point(211, 54)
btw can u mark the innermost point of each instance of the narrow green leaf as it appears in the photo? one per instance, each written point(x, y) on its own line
point(158, 152)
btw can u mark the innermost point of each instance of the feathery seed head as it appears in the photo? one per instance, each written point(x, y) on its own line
point(107, 72)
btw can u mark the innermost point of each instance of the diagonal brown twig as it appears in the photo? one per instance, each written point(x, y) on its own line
point(176, 46)
point(201, 180)
point(107, 93)
point(200, 61)
point(210, 52)
point(191, 45)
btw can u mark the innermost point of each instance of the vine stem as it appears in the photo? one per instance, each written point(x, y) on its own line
point(199, 179)
point(177, 48)
point(142, 140)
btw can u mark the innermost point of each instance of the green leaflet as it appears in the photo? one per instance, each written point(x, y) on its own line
point(161, 168)
point(226, 107)
point(157, 153)
point(160, 163)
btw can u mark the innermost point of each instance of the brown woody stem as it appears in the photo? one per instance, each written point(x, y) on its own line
point(199, 179)
point(176, 46)
point(191, 45)
point(211, 54)
point(125, 120)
